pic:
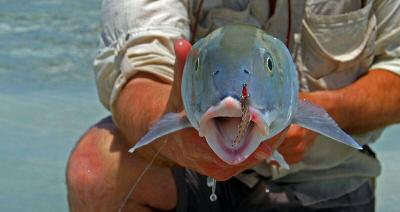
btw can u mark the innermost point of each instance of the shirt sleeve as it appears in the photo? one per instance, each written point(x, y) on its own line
point(387, 50)
point(137, 35)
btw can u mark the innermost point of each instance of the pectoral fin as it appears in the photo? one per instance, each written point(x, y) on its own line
point(169, 123)
point(316, 119)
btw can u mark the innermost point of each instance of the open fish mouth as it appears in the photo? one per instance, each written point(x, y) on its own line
point(219, 125)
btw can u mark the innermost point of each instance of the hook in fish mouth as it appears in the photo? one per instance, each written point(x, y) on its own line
point(245, 122)
point(219, 125)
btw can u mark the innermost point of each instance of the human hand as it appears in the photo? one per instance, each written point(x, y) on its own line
point(187, 149)
point(297, 142)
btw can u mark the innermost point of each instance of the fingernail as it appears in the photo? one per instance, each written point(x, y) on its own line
point(182, 47)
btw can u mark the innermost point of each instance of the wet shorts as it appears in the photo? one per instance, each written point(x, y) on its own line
point(235, 196)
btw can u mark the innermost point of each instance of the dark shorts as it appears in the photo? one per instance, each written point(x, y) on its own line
point(233, 195)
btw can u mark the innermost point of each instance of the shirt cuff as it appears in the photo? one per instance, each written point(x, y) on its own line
point(149, 49)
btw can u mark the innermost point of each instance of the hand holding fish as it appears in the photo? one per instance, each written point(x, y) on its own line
point(239, 90)
point(297, 142)
point(187, 149)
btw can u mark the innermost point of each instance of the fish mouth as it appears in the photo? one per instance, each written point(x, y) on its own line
point(220, 124)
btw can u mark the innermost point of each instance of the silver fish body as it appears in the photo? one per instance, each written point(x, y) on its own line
point(216, 69)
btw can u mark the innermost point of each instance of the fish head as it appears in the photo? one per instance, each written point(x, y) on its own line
point(218, 68)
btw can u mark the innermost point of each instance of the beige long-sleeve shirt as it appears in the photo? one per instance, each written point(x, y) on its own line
point(332, 42)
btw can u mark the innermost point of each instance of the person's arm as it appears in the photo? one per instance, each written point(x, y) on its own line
point(134, 69)
point(372, 102)
point(140, 104)
point(132, 75)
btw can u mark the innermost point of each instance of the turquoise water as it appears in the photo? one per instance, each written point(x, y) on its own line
point(47, 96)
point(48, 99)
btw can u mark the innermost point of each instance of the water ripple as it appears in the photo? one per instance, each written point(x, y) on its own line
point(49, 42)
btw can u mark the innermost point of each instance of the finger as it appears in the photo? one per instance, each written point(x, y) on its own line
point(278, 139)
point(296, 147)
point(289, 144)
point(296, 144)
point(292, 159)
point(293, 153)
point(263, 151)
point(266, 148)
point(182, 48)
point(295, 135)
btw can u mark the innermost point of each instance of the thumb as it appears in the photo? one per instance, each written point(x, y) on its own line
point(182, 48)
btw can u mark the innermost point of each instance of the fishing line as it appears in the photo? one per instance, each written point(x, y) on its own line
point(141, 176)
point(289, 29)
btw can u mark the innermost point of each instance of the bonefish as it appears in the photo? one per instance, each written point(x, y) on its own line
point(218, 69)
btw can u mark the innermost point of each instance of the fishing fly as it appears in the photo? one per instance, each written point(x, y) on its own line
point(245, 118)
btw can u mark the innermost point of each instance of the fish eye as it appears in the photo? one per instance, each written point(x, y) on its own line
point(197, 64)
point(269, 65)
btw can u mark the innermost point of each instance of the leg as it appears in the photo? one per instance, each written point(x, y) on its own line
point(266, 195)
point(101, 172)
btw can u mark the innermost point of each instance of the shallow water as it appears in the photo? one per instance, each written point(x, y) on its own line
point(48, 99)
point(47, 96)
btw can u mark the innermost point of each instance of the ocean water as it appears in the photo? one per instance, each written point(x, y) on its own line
point(48, 99)
point(47, 96)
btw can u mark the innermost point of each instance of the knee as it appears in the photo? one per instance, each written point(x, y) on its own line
point(85, 171)
point(100, 172)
